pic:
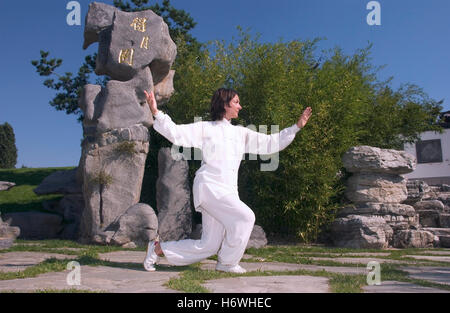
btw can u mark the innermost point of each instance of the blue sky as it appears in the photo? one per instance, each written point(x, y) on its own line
point(413, 40)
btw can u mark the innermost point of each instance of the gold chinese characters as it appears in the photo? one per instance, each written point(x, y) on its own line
point(144, 43)
point(139, 24)
point(126, 56)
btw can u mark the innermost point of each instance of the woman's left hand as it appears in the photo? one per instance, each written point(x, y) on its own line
point(303, 119)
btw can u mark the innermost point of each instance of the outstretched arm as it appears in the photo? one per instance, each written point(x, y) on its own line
point(185, 135)
point(259, 143)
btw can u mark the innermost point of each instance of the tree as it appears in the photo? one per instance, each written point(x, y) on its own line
point(69, 86)
point(8, 149)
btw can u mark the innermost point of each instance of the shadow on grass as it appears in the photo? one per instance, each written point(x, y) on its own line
point(28, 176)
point(12, 207)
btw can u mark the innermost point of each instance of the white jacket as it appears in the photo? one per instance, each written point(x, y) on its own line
point(223, 146)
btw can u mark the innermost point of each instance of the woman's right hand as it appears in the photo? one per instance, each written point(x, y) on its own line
point(151, 102)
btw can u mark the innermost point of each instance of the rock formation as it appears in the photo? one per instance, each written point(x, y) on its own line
point(136, 52)
point(377, 218)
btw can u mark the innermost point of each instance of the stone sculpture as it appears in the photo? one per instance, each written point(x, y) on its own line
point(136, 52)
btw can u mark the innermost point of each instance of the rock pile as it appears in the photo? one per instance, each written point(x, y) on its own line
point(432, 203)
point(377, 218)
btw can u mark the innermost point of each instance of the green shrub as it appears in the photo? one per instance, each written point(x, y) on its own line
point(276, 82)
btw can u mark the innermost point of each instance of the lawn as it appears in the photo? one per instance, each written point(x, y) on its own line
point(21, 197)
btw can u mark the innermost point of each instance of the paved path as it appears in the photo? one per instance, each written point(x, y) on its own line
point(98, 278)
point(19, 261)
point(363, 261)
point(400, 287)
point(439, 275)
point(123, 272)
point(430, 258)
point(269, 284)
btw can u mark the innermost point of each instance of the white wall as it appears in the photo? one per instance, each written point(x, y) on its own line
point(428, 170)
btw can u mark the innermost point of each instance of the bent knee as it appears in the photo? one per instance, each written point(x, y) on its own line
point(249, 217)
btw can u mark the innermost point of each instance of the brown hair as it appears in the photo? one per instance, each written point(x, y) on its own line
point(221, 98)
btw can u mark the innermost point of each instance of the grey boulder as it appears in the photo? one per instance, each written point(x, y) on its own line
point(36, 225)
point(257, 238)
point(6, 185)
point(376, 187)
point(376, 160)
point(138, 225)
point(434, 205)
point(413, 239)
point(118, 105)
point(374, 208)
point(60, 182)
point(357, 231)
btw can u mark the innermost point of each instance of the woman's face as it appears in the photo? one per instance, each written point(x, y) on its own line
point(232, 111)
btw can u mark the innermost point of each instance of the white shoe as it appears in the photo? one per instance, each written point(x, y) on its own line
point(230, 268)
point(151, 258)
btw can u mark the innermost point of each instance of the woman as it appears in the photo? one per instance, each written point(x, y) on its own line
point(227, 222)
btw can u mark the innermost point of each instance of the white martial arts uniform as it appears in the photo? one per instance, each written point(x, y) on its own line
point(227, 222)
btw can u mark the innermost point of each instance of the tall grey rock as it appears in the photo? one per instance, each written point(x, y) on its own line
point(135, 50)
point(113, 166)
point(173, 197)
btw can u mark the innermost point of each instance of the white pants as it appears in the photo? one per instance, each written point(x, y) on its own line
point(226, 225)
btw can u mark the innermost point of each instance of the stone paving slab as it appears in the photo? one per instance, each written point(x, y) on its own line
point(284, 267)
point(269, 284)
point(19, 261)
point(439, 275)
point(430, 258)
point(98, 278)
point(446, 252)
point(347, 254)
point(400, 287)
point(364, 261)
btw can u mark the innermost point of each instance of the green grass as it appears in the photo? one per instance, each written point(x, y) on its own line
point(49, 265)
point(21, 197)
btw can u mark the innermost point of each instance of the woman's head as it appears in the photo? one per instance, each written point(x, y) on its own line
point(225, 104)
